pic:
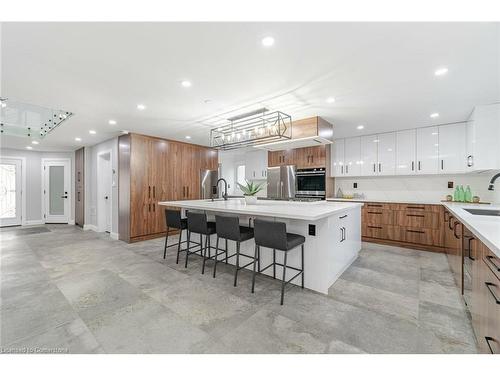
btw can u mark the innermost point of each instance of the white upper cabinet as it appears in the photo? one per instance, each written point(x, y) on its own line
point(452, 158)
point(369, 158)
point(256, 165)
point(483, 138)
point(406, 152)
point(386, 154)
point(337, 158)
point(427, 150)
point(352, 155)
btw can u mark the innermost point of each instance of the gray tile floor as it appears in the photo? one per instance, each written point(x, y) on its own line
point(82, 292)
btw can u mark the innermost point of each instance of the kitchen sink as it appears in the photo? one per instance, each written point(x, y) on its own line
point(475, 211)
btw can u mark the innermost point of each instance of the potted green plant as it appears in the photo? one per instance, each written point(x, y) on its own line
point(250, 190)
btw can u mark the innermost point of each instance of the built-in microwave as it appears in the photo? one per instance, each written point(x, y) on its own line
point(311, 183)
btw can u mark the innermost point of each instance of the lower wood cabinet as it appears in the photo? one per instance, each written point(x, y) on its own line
point(485, 298)
point(409, 225)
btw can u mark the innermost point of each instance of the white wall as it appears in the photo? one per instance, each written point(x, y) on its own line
point(422, 188)
point(34, 180)
point(91, 182)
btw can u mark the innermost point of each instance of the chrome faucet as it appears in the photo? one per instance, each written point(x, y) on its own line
point(225, 187)
point(492, 182)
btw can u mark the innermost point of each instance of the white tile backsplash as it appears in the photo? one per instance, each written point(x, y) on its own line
point(416, 188)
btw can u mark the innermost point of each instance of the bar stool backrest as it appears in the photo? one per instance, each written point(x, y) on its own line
point(228, 227)
point(197, 222)
point(270, 234)
point(173, 218)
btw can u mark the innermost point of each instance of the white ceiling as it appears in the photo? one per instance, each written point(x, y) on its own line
point(381, 74)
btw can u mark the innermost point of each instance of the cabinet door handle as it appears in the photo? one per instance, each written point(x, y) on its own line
point(374, 227)
point(374, 213)
point(470, 247)
point(489, 285)
point(488, 339)
point(415, 208)
point(412, 165)
point(343, 217)
point(149, 207)
point(415, 215)
point(78, 196)
point(374, 168)
point(374, 205)
point(187, 191)
point(342, 169)
point(415, 231)
point(442, 164)
point(345, 231)
point(347, 169)
point(490, 258)
point(455, 231)
point(450, 223)
point(419, 165)
point(149, 191)
point(379, 167)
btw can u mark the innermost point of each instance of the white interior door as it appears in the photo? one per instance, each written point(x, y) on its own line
point(56, 176)
point(10, 192)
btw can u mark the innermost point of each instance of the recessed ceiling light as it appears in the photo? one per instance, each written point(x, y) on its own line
point(92, 132)
point(434, 115)
point(78, 139)
point(186, 83)
point(188, 137)
point(35, 142)
point(330, 100)
point(360, 127)
point(141, 107)
point(29, 147)
point(268, 41)
point(112, 122)
point(441, 71)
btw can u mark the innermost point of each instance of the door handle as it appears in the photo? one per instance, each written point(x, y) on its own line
point(347, 169)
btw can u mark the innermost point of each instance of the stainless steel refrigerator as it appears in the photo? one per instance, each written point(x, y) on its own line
point(208, 183)
point(281, 182)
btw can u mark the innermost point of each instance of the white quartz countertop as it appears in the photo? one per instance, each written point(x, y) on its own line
point(288, 210)
point(363, 200)
point(485, 228)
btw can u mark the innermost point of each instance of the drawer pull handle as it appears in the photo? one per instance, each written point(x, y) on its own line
point(454, 230)
point(490, 258)
point(343, 217)
point(470, 248)
point(413, 215)
point(371, 226)
point(415, 231)
point(415, 208)
point(374, 205)
point(450, 222)
point(488, 339)
point(374, 213)
point(489, 285)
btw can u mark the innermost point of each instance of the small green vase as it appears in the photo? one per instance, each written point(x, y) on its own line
point(468, 194)
point(461, 194)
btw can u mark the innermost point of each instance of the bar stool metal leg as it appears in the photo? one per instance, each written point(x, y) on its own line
point(274, 263)
point(179, 247)
point(237, 263)
point(204, 254)
point(302, 254)
point(257, 251)
point(216, 253)
point(166, 243)
point(226, 251)
point(283, 282)
point(188, 247)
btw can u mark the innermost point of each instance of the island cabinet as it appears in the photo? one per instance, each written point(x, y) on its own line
point(151, 170)
point(305, 157)
point(485, 297)
point(411, 225)
point(453, 247)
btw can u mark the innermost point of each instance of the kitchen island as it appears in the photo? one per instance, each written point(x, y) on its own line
point(332, 231)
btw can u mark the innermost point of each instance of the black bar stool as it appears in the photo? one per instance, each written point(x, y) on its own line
point(197, 223)
point(228, 228)
point(273, 235)
point(174, 222)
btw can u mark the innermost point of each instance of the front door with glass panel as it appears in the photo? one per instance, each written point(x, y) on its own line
point(56, 175)
point(10, 192)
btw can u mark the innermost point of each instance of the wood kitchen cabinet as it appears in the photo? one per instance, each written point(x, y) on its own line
point(453, 245)
point(281, 157)
point(305, 157)
point(151, 170)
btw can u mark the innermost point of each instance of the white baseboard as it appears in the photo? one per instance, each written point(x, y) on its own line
point(32, 222)
point(114, 235)
point(89, 227)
